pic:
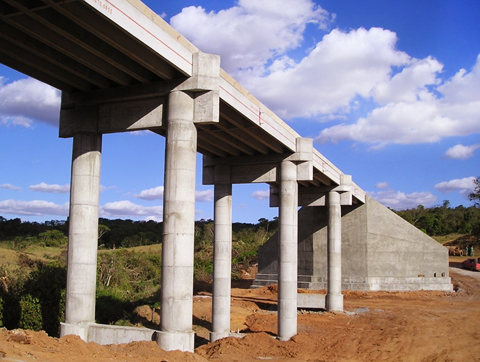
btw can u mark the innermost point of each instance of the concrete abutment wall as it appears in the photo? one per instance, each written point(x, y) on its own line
point(380, 251)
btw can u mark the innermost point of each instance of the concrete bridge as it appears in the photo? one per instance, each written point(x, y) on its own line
point(121, 68)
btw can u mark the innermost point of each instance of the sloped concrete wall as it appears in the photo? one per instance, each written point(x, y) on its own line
point(380, 251)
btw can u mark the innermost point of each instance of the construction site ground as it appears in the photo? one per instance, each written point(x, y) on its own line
point(422, 326)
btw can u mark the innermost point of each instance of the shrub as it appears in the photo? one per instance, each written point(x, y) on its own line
point(31, 313)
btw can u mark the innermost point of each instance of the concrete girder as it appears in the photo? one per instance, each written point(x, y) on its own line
point(141, 107)
point(317, 196)
point(262, 168)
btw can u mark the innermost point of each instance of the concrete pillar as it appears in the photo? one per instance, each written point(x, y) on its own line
point(334, 299)
point(288, 235)
point(222, 262)
point(178, 226)
point(83, 234)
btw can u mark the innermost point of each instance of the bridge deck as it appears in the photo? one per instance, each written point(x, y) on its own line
point(90, 45)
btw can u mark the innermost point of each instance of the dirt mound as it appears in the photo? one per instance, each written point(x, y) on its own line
point(377, 326)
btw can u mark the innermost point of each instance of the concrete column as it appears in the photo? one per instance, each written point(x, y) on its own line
point(222, 262)
point(288, 235)
point(83, 234)
point(334, 299)
point(178, 226)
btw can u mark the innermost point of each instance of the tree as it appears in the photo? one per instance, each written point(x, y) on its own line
point(475, 195)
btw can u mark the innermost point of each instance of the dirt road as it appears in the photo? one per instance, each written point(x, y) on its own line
point(379, 326)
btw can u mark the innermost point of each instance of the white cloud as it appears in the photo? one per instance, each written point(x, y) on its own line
point(416, 114)
point(127, 208)
point(464, 186)
point(27, 100)
point(261, 195)
point(251, 33)
point(53, 188)
point(398, 200)
point(381, 185)
point(10, 187)
point(340, 68)
point(204, 196)
point(461, 152)
point(155, 193)
point(33, 208)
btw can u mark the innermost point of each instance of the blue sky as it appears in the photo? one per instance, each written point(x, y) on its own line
point(388, 90)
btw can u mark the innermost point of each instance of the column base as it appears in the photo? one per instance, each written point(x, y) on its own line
point(79, 329)
point(170, 341)
point(218, 335)
point(334, 302)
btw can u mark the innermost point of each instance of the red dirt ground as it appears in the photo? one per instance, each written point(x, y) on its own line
point(380, 326)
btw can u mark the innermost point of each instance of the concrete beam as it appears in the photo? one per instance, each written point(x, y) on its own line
point(141, 107)
point(317, 196)
point(261, 168)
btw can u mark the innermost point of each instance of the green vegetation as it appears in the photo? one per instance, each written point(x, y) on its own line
point(33, 261)
point(33, 268)
point(444, 220)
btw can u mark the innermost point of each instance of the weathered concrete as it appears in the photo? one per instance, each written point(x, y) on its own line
point(222, 262)
point(83, 234)
point(287, 276)
point(334, 299)
point(178, 228)
point(380, 251)
point(107, 334)
point(311, 301)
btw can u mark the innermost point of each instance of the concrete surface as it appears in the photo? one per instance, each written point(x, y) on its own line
point(380, 251)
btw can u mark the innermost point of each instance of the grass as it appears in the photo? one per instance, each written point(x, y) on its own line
point(444, 238)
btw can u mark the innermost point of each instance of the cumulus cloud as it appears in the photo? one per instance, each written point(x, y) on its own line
point(417, 114)
point(261, 195)
point(464, 186)
point(155, 193)
point(33, 208)
point(403, 100)
point(340, 68)
point(461, 152)
point(10, 187)
point(127, 208)
point(398, 200)
point(53, 188)
point(252, 33)
point(381, 185)
point(204, 196)
point(27, 100)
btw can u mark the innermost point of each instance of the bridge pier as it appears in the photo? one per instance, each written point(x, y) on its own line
point(334, 298)
point(83, 234)
point(179, 225)
point(222, 262)
point(287, 269)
